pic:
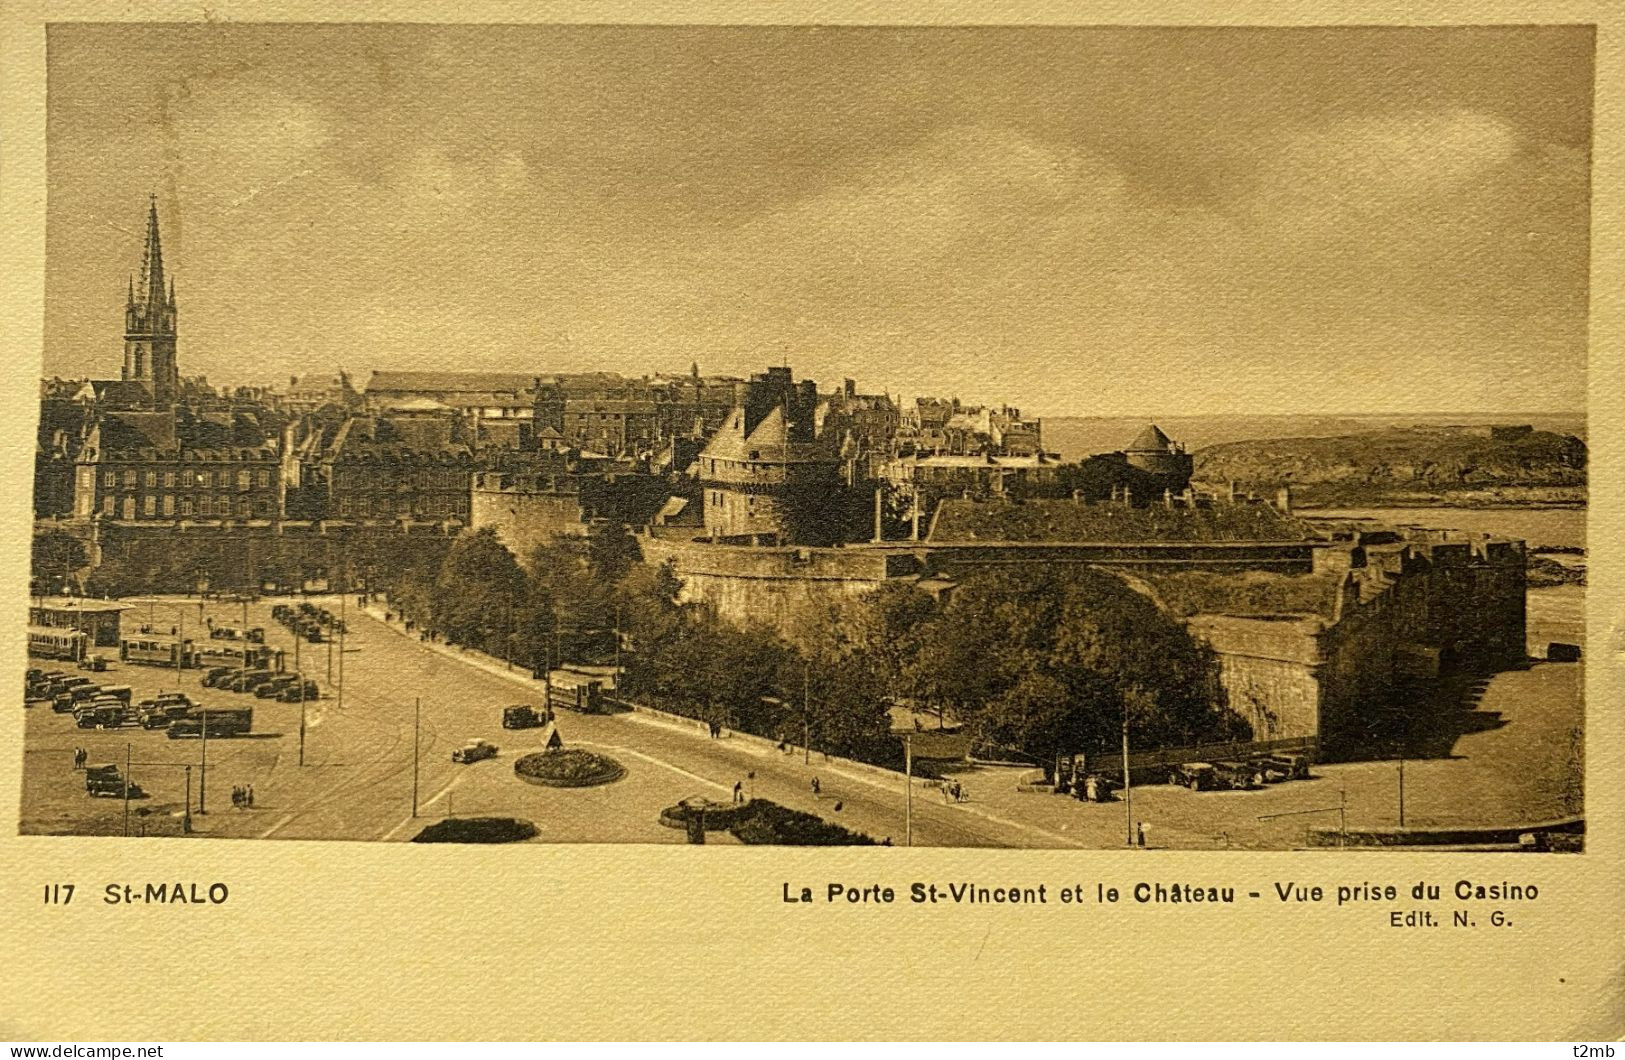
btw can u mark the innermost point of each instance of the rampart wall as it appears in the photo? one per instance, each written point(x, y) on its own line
point(773, 586)
point(526, 519)
point(1406, 610)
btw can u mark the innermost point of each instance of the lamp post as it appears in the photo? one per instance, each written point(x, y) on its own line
point(908, 782)
point(417, 717)
point(1128, 784)
point(203, 768)
point(806, 712)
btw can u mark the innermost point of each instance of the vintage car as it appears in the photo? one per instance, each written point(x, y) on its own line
point(474, 751)
point(1093, 787)
point(1290, 766)
point(96, 663)
point(106, 781)
point(68, 699)
point(524, 716)
point(273, 688)
point(216, 674)
point(295, 691)
point(160, 715)
point(103, 714)
point(1198, 776)
point(1238, 774)
point(247, 680)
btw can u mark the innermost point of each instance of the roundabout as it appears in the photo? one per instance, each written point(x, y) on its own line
point(568, 768)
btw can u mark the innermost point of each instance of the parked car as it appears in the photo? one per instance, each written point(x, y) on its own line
point(161, 715)
point(273, 687)
point(474, 751)
point(522, 717)
point(291, 693)
point(96, 663)
point(247, 680)
point(67, 700)
point(1295, 767)
point(1238, 774)
point(1198, 776)
point(216, 674)
point(106, 781)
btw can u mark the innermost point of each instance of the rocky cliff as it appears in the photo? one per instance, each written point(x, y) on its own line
point(1488, 466)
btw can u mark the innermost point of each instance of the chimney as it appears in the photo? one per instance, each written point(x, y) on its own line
point(1283, 498)
point(878, 528)
point(1167, 498)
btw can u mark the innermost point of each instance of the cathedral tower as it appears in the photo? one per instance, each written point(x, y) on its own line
point(149, 323)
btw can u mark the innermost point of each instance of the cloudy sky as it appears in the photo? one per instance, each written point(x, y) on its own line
point(1073, 220)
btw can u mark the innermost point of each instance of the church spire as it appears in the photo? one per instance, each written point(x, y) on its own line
point(152, 259)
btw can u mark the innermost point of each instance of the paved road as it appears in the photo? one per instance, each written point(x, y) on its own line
point(1516, 759)
point(357, 781)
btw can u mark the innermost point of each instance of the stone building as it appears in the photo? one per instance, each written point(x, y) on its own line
point(361, 470)
point(133, 467)
point(149, 324)
point(767, 474)
point(499, 407)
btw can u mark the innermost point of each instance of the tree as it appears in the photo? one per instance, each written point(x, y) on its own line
point(57, 555)
point(1049, 662)
point(476, 589)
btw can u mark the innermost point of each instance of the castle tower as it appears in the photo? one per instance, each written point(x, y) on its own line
point(149, 323)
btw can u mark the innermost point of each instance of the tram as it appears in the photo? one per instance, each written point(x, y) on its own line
point(153, 649)
point(50, 642)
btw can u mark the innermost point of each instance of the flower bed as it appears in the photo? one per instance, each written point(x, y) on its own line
point(477, 830)
point(768, 823)
point(718, 816)
point(568, 768)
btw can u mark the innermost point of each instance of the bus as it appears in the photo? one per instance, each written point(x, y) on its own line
point(221, 722)
point(240, 655)
point(49, 642)
point(255, 635)
point(155, 649)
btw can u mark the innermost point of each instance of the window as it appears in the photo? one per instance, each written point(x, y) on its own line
point(110, 479)
point(169, 480)
point(129, 476)
point(243, 479)
point(107, 504)
point(152, 479)
point(169, 504)
point(264, 478)
point(186, 506)
point(149, 504)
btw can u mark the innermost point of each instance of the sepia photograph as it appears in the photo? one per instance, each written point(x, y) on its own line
point(714, 522)
point(813, 436)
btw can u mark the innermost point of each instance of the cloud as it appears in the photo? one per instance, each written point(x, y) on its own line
point(1325, 177)
point(229, 142)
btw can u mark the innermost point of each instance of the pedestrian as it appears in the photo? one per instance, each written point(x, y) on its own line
point(739, 789)
point(236, 797)
point(817, 789)
point(248, 796)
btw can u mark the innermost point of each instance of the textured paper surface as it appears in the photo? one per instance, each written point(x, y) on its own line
point(391, 941)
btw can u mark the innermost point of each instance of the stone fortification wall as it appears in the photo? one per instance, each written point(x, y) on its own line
point(525, 519)
point(772, 586)
point(1405, 610)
